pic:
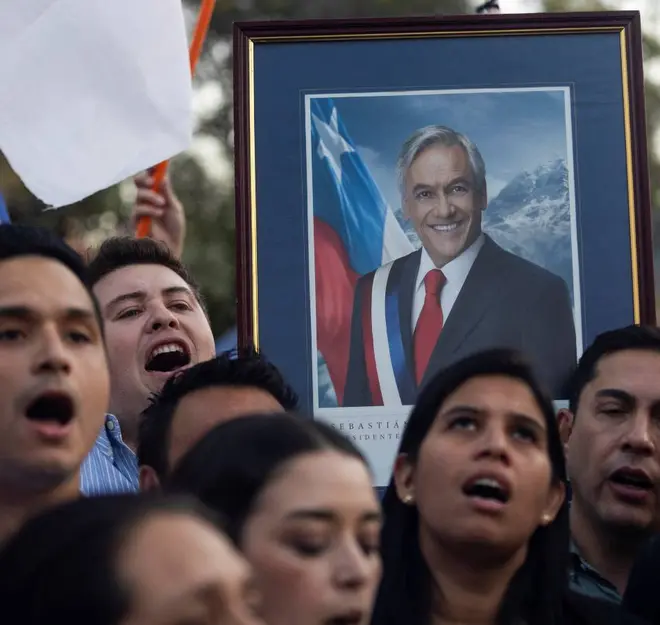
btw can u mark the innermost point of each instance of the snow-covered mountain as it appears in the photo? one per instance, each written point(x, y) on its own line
point(531, 217)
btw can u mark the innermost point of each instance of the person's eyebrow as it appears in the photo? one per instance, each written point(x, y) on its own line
point(320, 514)
point(124, 297)
point(178, 290)
point(23, 312)
point(532, 423)
point(141, 295)
point(473, 411)
point(313, 514)
point(83, 314)
point(460, 180)
point(422, 186)
point(461, 410)
point(17, 312)
point(615, 393)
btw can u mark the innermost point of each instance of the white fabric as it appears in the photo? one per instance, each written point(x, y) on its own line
point(384, 369)
point(455, 271)
point(91, 91)
point(395, 242)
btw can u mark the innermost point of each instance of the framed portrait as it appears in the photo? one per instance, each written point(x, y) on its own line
point(411, 191)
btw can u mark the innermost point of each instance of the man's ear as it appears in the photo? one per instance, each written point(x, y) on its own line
point(404, 474)
point(148, 479)
point(565, 420)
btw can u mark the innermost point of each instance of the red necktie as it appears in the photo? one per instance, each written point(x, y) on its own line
point(429, 324)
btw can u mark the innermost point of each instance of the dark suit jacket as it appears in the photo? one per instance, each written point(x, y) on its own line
point(641, 595)
point(505, 301)
point(581, 610)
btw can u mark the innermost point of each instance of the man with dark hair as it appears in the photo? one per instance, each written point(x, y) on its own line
point(54, 382)
point(612, 439)
point(194, 401)
point(155, 326)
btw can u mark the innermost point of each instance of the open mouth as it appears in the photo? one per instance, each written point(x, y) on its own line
point(487, 488)
point(51, 407)
point(632, 478)
point(350, 618)
point(168, 357)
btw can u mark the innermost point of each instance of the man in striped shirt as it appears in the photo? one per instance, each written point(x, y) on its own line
point(155, 325)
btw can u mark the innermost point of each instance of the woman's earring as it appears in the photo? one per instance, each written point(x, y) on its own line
point(408, 499)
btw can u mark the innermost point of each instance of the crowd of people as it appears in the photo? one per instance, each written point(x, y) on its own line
point(147, 480)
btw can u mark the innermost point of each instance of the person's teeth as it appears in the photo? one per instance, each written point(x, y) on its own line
point(487, 482)
point(445, 228)
point(164, 349)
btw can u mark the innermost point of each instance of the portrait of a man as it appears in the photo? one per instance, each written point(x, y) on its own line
point(447, 251)
point(459, 293)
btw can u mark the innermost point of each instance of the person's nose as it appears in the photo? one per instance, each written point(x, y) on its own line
point(161, 318)
point(352, 566)
point(52, 354)
point(442, 207)
point(494, 443)
point(639, 437)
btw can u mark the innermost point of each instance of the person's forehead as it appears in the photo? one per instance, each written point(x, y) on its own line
point(228, 397)
point(185, 551)
point(151, 279)
point(41, 283)
point(497, 391)
point(439, 153)
point(323, 479)
point(201, 410)
point(634, 371)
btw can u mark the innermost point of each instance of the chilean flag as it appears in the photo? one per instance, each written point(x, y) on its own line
point(355, 231)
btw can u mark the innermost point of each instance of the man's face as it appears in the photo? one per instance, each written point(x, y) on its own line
point(154, 327)
point(54, 383)
point(613, 452)
point(442, 202)
point(200, 411)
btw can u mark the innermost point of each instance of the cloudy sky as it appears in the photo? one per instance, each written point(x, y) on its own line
point(514, 130)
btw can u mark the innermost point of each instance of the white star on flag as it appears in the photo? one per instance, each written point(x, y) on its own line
point(332, 145)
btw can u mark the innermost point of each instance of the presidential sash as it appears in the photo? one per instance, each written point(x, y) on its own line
point(390, 381)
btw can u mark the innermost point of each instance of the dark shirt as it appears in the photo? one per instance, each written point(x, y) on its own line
point(584, 579)
point(642, 595)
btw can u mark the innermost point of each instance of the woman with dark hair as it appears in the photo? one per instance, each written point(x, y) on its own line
point(476, 522)
point(298, 501)
point(125, 560)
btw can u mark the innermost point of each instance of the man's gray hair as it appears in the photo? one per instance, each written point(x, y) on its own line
point(440, 135)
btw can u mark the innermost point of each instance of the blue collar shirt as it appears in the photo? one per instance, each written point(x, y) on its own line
point(111, 467)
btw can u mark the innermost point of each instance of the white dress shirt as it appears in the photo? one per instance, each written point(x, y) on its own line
point(455, 271)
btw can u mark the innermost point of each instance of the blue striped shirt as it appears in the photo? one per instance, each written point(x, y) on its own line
point(111, 466)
